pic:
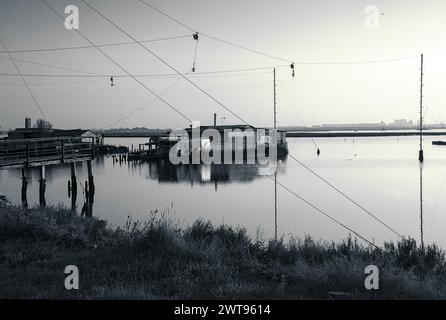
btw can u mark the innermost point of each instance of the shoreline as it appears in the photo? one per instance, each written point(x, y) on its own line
point(359, 134)
point(310, 134)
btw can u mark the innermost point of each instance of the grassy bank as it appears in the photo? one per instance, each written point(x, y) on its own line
point(160, 259)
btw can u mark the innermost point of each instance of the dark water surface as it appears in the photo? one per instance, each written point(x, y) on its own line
point(380, 173)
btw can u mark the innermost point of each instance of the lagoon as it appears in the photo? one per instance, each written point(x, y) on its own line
point(380, 173)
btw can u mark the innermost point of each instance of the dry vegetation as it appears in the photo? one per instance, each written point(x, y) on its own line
point(160, 259)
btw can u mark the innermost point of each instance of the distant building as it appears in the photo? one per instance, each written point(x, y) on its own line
point(35, 133)
point(261, 136)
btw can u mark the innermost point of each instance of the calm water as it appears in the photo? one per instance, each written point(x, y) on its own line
point(381, 173)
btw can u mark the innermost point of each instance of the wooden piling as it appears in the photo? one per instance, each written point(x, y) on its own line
point(42, 187)
point(24, 189)
point(73, 186)
point(91, 190)
point(90, 177)
point(85, 207)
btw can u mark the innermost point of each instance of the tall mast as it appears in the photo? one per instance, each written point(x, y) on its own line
point(421, 157)
point(275, 173)
point(420, 154)
point(275, 113)
point(275, 205)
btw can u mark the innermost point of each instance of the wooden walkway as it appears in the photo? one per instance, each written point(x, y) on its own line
point(45, 151)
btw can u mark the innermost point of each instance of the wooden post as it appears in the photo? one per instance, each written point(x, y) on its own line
point(92, 147)
point(90, 177)
point(73, 186)
point(90, 201)
point(24, 189)
point(27, 153)
point(42, 187)
point(73, 179)
point(85, 207)
point(63, 151)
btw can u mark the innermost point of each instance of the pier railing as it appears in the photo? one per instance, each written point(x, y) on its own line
point(36, 152)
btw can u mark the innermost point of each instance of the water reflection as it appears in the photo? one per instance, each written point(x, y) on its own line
point(165, 172)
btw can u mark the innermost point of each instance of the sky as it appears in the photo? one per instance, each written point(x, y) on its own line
point(312, 34)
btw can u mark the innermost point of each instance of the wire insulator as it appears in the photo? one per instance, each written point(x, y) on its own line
point(195, 36)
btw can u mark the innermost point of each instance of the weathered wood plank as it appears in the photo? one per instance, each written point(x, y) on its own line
point(38, 152)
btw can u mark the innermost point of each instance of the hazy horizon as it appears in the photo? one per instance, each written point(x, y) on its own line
point(299, 31)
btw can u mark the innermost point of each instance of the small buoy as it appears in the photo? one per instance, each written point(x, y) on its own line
point(318, 152)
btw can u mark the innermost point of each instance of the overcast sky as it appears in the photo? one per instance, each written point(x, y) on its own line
point(296, 30)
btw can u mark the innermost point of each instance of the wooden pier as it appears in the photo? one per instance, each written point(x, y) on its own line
point(156, 149)
point(26, 153)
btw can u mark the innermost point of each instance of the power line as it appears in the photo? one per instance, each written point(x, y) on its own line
point(145, 104)
point(345, 195)
point(118, 65)
point(295, 109)
point(356, 62)
point(213, 37)
point(162, 60)
point(237, 116)
point(325, 213)
point(24, 80)
point(51, 83)
point(55, 67)
point(153, 75)
point(268, 55)
point(91, 46)
point(244, 48)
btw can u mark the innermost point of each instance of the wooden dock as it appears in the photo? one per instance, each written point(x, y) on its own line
point(156, 149)
point(26, 153)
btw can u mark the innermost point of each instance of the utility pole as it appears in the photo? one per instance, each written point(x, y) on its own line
point(275, 173)
point(420, 153)
point(421, 208)
point(275, 119)
point(275, 205)
point(421, 157)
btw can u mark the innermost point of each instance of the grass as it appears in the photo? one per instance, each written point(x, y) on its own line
point(160, 259)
